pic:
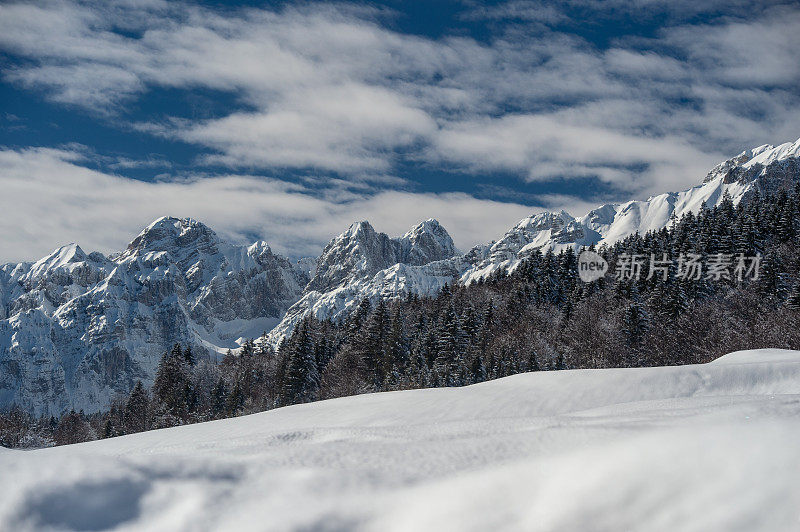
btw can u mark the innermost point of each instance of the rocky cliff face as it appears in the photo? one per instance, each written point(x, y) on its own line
point(364, 264)
point(361, 252)
point(79, 328)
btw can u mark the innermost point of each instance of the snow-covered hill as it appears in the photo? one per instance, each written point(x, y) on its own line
point(704, 447)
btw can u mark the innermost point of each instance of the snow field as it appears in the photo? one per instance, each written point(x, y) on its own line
point(703, 447)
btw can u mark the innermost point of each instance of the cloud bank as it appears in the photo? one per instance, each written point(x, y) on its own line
point(337, 92)
point(330, 87)
point(50, 199)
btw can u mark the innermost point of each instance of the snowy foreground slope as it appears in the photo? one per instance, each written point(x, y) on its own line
point(705, 447)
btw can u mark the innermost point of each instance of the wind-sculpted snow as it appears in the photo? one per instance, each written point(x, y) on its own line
point(79, 328)
point(705, 447)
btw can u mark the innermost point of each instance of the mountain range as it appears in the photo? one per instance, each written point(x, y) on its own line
point(76, 329)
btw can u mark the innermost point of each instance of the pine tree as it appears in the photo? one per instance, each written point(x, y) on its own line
point(770, 281)
point(357, 319)
point(793, 301)
point(786, 222)
point(188, 356)
point(635, 324)
point(374, 347)
point(172, 388)
point(450, 348)
point(219, 399)
point(136, 412)
point(677, 302)
point(477, 370)
point(302, 374)
point(533, 362)
point(397, 347)
point(109, 431)
point(235, 401)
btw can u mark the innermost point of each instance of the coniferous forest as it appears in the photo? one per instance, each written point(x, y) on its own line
point(540, 317)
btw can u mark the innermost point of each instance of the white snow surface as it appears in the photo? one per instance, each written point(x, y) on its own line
point(703, 447)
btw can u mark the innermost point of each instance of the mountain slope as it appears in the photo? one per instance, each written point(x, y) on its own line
point(703, 447)
point(76, 328)
point(764, 168)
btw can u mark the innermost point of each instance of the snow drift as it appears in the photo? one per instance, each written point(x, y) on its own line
point(702, 447)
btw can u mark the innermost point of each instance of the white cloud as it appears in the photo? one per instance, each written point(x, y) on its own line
point(754, 53)
point(49, 199)
point(347, 128)
point(549, 146)
point(329, 87)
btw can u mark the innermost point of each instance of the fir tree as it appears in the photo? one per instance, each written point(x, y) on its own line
point(793, 301)
point(375, 345)
point(135, 414)
point(219, 399)
point(172, 388)
point(302, 376)
point(478, 370)
point(635, 324)
point(235, 401)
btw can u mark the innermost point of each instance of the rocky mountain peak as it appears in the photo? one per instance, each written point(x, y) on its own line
point(753, 159)
point(67, 264)
point(99, 324)
point(168, 233)
point(544, 220)
point(427, 242)
point(361, 251)
point(69, 254)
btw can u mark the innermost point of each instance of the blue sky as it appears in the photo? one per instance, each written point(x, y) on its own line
point(287, 121)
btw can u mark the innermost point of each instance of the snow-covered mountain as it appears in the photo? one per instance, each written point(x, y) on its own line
point(77, 328)
point(362, 263)
point(764, 168)
point(349, 269)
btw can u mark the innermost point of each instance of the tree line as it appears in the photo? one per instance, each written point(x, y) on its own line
point(539, 317)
